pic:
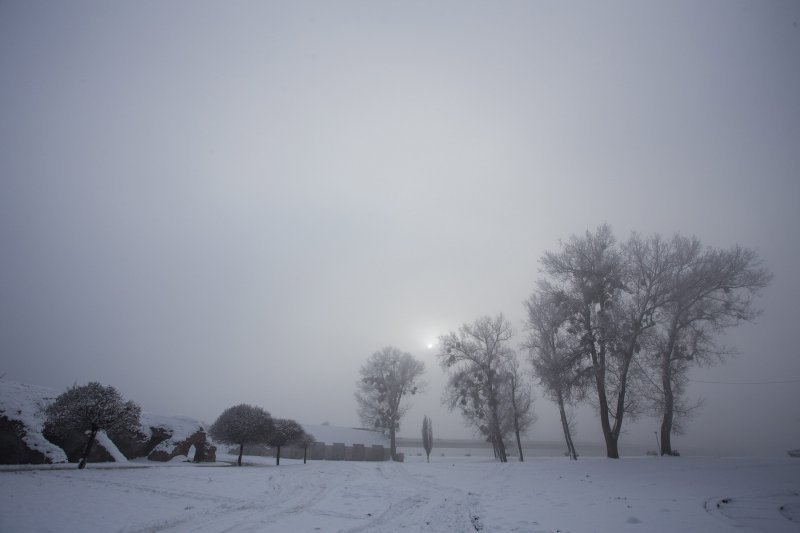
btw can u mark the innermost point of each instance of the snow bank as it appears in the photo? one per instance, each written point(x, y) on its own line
point(24, 403)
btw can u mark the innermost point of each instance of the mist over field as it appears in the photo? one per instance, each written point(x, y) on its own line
point(208, 204)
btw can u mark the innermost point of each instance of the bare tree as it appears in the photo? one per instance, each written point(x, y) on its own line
point(427, 436)
point(387, 378)
point(476, 355)
point(554, 353)
point(91, 408)
point(711, 290)
point(615, 293)
point(242, 424)
point(285, 431)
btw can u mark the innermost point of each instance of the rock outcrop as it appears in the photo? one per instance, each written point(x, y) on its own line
point(13, 448)
point(21, 424)
point(23, 439)
point(176, 436)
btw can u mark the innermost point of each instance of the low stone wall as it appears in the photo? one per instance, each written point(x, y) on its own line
point(338, 452)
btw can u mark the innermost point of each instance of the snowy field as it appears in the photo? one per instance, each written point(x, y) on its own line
point(645, 494)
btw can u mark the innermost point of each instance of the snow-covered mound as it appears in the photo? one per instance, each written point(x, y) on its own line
point(183, 433)
point(160, 438)
point(22, 418)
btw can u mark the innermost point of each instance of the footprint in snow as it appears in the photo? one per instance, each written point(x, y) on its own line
point(633, 520)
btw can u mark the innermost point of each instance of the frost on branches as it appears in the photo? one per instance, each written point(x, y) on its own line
point(386, 378)
point(242, 424)
point(91, 408)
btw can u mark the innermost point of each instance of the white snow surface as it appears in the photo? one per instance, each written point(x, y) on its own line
point(345, 435)
point(111, 448)
point(19, 401)
point(645, 494)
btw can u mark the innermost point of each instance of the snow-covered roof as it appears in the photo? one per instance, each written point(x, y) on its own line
point(348, 436)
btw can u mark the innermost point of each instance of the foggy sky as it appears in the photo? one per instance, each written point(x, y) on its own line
point(205, 204)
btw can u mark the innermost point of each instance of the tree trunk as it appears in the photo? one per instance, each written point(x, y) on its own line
point(669, 403)
point(666, 384)
point(608, 435)
point(278, 456)
point(392, 450)
point(429, 455)
point(495, 425)
point(501, 449)
point(565, 427)
point(88, 449)
point(615, 431)
point(305, 453)
point(598, 364)
point(241, 450)
point(516, 416)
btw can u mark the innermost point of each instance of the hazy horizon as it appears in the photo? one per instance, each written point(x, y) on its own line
point(207, 204)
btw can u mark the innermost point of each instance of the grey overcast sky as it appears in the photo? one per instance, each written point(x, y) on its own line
point(208, 203)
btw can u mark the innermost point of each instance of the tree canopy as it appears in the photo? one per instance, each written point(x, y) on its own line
point(242, 424)
point(285, 431)
point(387, 378)
point(91, 407)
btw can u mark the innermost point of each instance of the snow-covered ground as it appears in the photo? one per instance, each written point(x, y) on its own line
point(450, 494)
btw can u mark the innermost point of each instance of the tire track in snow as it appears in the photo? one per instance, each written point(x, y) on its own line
point(428, 507)
point(289, 499)
point(286, 495)
point(758, 512)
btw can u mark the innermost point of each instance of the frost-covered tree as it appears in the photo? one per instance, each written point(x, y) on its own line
point(647, 304)
point(427, 436)
point(91, 408)
point(615, 292)
point(710, 290)
point(558, 363)
point(476, 356)
point(242, 424)
point(387, 378)
point(285, 431)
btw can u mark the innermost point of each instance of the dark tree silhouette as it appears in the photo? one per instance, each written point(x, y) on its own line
point(305, 441)
point(427, 436)
point(91, 408)
point(285, 431)
point(242, 424)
